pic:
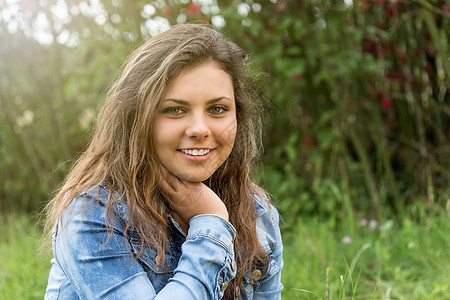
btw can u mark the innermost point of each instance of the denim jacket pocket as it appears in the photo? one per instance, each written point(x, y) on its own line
point(159, 274)
point(260, 274)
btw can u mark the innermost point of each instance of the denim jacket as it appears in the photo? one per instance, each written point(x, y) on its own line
point(89, 263)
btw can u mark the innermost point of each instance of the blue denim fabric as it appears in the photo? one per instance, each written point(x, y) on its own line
point(89, 263)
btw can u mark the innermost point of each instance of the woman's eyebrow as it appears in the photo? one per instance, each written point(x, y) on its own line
point(212, 101)
point(184, 102)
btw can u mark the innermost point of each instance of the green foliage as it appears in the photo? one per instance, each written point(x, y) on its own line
point(360, 99)
point(357, 96)
point(47, 103)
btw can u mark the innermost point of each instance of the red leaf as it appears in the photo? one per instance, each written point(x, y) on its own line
point(281, 6)
point(308, 142)
point(194, 11)
point(446, 9)
point(386, 103)
point(167, 12)
point(297, 77)
point(390, 11)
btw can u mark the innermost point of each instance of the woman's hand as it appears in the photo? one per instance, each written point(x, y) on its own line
point(189, 199)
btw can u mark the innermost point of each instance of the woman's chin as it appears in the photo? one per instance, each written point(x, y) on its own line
point(193, 178)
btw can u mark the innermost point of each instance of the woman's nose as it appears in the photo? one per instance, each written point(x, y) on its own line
point(198, 128)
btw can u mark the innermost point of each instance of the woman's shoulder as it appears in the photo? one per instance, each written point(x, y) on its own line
point(99, 199)
point(264, 207)
point(266, 213)
point(99, 193)
point(267, 223)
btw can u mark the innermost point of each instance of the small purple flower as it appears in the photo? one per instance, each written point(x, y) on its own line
point(373, 224)
point(347, 240)
point(363, 222)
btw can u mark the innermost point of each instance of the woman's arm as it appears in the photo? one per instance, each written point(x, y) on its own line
point(100, 265)
point(207, 261)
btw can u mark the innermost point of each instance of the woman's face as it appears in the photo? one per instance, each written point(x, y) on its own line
point(196, 125)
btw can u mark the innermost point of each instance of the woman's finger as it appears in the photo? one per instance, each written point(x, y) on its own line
point(169, 179)
point(164, 186)
point(178, 193)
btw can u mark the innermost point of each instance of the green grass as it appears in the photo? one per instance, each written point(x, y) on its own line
point(411, 261)
point(23, 268)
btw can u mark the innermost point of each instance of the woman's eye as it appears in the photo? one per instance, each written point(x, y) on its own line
point(217, 110)
point(173, 111)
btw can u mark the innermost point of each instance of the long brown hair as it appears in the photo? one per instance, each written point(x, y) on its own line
point(121, 156)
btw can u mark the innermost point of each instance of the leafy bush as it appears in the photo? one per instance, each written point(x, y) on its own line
point(360, 100)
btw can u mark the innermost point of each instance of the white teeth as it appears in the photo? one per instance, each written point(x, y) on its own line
point(196, 152)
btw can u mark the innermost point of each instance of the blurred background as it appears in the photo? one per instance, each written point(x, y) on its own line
point(356, 135)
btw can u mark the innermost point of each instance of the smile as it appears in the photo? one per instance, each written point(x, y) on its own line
point(196, 152)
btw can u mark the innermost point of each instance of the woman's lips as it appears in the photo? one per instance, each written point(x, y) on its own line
point(196, 155)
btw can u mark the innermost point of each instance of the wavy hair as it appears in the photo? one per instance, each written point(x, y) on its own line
point(121, 157)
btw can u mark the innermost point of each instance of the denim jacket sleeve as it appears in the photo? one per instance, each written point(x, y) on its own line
point(99, 265)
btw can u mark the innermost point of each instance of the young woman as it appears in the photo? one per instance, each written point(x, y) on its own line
point(162, 205)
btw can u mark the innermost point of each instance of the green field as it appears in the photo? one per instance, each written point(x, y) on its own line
point(389, 261)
